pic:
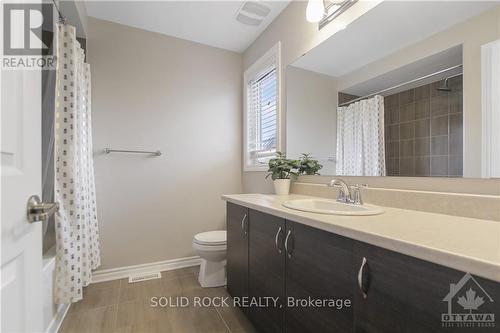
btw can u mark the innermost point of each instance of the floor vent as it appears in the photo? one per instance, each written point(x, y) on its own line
point(144, 277)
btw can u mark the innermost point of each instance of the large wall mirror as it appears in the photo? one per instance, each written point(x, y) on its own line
point(408, 89)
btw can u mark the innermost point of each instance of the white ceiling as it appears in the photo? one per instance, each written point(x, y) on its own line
point(388, 27)
point(207, 22)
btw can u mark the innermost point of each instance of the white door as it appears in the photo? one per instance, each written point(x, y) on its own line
point(21, 241)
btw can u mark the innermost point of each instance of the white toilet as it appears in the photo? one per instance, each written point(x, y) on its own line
point(211, 247)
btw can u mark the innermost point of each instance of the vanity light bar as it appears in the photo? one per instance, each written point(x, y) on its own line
point(334, 9)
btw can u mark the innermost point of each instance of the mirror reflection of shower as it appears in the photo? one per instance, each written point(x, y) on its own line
point(422, 119)
point(445, 87)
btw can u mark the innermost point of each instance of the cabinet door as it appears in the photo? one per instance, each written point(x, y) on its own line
point(431, 287)
point(381, 302)
point(266, 271)
point(405, 294)
point(237, 250)
point(319, 266)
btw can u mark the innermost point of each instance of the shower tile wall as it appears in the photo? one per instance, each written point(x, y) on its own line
point(344, 98)
point(423, 131)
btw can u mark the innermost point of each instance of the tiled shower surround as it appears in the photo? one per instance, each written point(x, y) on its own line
point(423, 131)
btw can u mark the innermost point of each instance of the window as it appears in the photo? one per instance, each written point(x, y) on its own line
point(262, 88)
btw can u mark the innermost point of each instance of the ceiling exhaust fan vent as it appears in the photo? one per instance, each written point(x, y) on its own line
point(256, 8)
point(252, 13)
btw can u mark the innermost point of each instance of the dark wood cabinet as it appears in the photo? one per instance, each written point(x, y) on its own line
point(379, 300)
point(318, 266)
point(269, 257)
point(237, 250)
point(430, 286)
point(427, 286)
point(266, 271)
point(406, 294)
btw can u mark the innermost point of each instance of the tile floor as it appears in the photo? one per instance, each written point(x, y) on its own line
point(119, 306)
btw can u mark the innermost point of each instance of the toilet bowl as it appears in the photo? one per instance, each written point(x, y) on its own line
point(211, 247)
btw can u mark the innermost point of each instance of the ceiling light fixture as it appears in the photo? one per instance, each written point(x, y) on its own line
point(315, 11)
point(333, 9)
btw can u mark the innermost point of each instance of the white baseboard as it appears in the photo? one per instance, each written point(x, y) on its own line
point(56, 322)
point(159, 266)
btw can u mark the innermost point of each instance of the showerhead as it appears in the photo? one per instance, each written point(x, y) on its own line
point(444, 87)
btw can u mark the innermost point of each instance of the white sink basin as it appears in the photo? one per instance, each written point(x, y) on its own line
point(332, 207)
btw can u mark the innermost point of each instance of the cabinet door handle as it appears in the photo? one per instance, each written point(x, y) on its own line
point(362, 288)
point(276, 240)
point(288, 249)
point(243, 228)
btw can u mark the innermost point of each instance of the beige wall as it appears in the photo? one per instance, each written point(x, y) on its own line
point(297, 36)
point(153, 92)
point(471, 34)
point(311, 116)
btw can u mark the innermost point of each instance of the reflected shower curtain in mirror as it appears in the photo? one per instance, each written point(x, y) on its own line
point(360, 138)
point(77, 235)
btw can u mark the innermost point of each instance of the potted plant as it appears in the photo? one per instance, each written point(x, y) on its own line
point(282, 170)
point(308, 166)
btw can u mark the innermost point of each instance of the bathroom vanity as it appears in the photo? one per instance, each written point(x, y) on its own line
point(398, 274)
point(384, 105)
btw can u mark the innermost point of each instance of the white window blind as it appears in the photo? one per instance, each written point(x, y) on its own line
point(262, 117)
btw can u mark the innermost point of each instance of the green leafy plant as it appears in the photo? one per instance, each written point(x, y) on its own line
point(282, 168)
point(308, 166)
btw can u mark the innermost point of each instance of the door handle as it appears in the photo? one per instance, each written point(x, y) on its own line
point(361, 285)
point(36, 210)
point(288, 249)
point(276, 240)
point(243, 228)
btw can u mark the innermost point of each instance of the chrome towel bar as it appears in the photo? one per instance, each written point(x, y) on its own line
point(108, 150)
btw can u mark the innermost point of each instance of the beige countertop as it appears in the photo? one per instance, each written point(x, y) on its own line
point(466, 244)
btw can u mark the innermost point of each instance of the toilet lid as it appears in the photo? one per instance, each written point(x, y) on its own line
point(211, 237)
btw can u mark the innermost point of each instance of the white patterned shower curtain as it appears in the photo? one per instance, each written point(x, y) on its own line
point(360, 138)
point(77, 235)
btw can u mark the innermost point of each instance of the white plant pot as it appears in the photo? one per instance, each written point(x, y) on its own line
point(282, 186)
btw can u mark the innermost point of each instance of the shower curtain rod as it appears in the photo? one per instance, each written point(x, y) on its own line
point(406, 83)
point(62, 19)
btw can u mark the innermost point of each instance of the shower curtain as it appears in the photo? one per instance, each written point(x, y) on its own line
point(77, 235)
point(360, 138)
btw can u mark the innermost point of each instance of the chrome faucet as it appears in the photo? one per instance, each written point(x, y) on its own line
point(356, 193)
point(344, 191)
point(348, 194)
